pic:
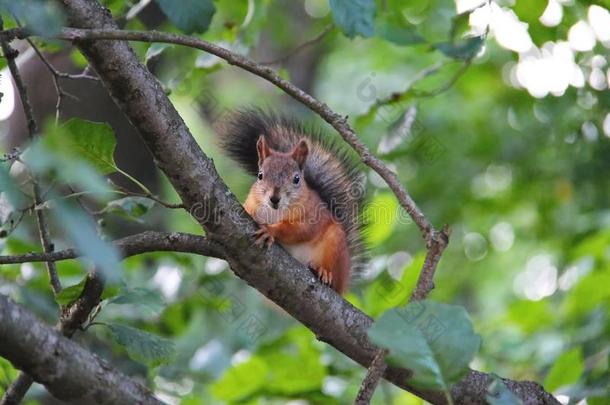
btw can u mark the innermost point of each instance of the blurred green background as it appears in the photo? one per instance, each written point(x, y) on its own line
point(510, 148)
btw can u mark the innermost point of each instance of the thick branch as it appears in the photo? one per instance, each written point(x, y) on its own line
point(72, 318)
point(66, 369)
point(274, 273)
point(145, 242)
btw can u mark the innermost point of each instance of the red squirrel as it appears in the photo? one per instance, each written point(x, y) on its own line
point(307, 195)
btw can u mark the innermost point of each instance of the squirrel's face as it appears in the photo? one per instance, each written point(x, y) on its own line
point(280, 181)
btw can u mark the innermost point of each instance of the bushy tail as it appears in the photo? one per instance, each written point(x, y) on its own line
point(330, 169)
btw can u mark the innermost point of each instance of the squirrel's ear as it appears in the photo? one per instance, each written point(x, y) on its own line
point(262, 149)
point(299, 153)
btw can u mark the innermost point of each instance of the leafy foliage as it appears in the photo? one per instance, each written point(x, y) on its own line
point(93, 142)
point(129, 207)
point(143, 297)
point(83, 234)
point(354, 17)
point(189, 15)
point(519, 176)
point(394, 28)
point(465, 50)
point(567, 369)
point(42, 16)
point(434, 340)
point(141, 346)
point(71, 293)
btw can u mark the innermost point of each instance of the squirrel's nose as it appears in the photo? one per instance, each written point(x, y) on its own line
point(274, 201)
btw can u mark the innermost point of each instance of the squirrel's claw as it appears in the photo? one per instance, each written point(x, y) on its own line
point(263, 237)
point(325, 276)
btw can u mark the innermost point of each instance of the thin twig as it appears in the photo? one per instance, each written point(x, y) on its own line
point(150, 196)
point(425, 281)
point(145, 242)
point(159, 201)
point(58, 89)
point(43, 228)
point(17, 390)
point(57, 75)
point(300, 47)
point(448, 85)
point(373, 375)
point(399, 96)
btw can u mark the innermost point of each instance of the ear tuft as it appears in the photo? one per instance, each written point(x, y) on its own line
point(300, 152)
point(262, 149)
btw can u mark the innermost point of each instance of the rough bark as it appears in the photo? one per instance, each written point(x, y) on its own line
point(66, 369)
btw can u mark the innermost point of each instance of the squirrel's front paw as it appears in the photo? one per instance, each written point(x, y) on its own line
point(263, 237)
point(325, 275)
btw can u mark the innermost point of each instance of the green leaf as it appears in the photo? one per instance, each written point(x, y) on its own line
point(191, 16)
point(241, 380)
point(354, 17)
point(499, 394)
point(144, 347)
point(92, 141)
point(435, 340)
point(7, 373)
point(44, 161)
point(82, 232)
point(146, 298)
point(156, 49)
point(129, 207)
point(43, 17)
point(70, 294)
point(567, 370)
point(587, 295)
point(10, 191)
point(465, 49)
point(394, 28)
point(380, 217)
point(386, 292)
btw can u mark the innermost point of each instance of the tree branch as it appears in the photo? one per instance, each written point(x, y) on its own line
point(145, 242)
point(373, 374)
point(274, 273)
point(72, 318)
point(43, 229)
point(66, 369)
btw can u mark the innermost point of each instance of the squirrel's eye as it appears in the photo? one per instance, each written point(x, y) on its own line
point(260, 175)
point(296, 179)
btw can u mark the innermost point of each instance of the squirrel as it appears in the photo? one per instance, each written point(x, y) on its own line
point(307, 195)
